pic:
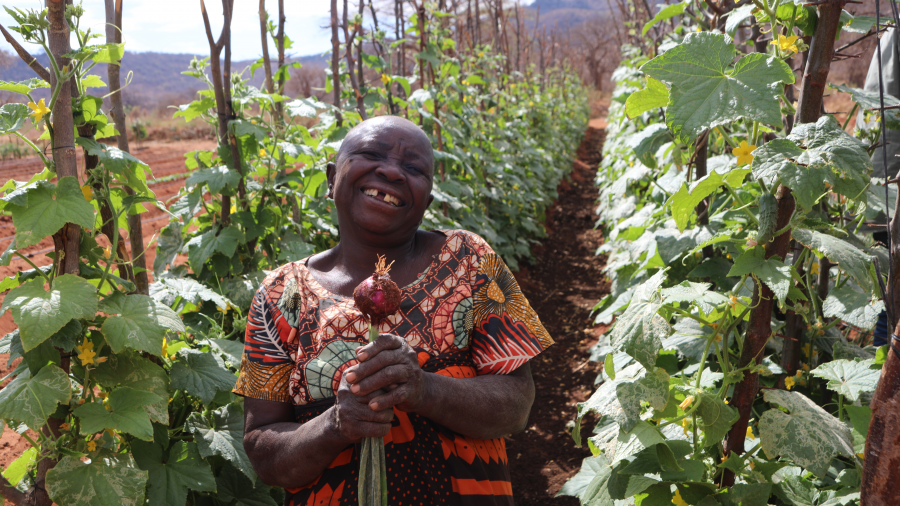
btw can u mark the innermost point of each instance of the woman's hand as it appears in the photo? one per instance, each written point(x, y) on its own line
point(353, 416)
point(391, 365)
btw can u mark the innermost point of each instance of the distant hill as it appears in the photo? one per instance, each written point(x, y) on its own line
point(156, 79)
point(566, 13)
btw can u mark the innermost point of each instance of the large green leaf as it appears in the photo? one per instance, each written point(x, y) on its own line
point(655, 95)
point(49, 209)
point(716, 418)
point(870, 100)
point(12, 117)
point(685, 200)
point(772, 271)
point(224, 437)
point(849, 377)
point(167, 290)
point(621, 398)
point(829, 146)
point(696, 293)
point(647, 141)
point(173, 472)
point(141, 323)
point(31, 400)
point(806, 434)
point(123, 411)
point(706, 93)
point(591, 484)
point(667, 12)
point(24, 87)
point(40, 313)
point(775, 162)
point(111, 480)
point(639, 331)
point(852, 306)
point(848, 257)
point(134, 371)
point(225, 241)
point(199, 374)
point(216, 178)
point(238, 490)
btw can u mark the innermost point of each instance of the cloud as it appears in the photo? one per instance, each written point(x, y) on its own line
point(176, 26)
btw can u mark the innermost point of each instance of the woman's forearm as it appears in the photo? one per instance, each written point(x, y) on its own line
point(292, 455)
point(484, 407)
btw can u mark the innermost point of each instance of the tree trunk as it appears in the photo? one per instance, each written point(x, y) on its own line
point(135, 228)
point(336, 63)
point(882, 456)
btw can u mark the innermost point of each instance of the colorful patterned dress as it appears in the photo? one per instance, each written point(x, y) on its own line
point(465, 316)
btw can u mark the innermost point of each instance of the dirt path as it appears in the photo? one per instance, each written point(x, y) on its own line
point(563, 284)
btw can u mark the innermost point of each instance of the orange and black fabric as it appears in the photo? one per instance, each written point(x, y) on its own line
point(465, 316)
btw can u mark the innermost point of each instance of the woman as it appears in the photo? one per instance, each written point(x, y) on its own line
point(448, 376)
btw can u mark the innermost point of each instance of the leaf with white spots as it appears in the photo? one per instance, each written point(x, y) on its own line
point(639, 331)
point(32, 400)
point(696, 293)
point(806, 434)
point(849, 377)
point(224, 437)
point(113, 480)
point(621, 398)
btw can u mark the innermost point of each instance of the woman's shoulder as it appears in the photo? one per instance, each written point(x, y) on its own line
point(459, 238)
point(281, 275)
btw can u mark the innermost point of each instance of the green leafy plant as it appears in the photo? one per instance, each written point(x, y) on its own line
point(742, 286)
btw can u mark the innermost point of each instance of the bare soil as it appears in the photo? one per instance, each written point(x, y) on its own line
point(563, 284)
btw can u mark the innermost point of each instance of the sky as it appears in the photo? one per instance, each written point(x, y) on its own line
point(176, 26)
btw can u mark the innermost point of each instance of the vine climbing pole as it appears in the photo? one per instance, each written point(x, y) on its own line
point(117, 111)
point(812, 88)
point(882, 458)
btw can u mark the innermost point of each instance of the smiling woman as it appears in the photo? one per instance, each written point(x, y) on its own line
point(446, 379)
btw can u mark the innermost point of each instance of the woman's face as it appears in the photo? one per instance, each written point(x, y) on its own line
point(382, 182)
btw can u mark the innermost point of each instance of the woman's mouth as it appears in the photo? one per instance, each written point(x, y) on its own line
point(384, 197)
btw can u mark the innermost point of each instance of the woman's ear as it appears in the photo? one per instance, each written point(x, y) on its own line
point(330, 171)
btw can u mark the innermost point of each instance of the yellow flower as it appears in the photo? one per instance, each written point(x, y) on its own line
point(87, 192)
point(102, 395)
point(786, 44)
point(684, 425)
point(725, 401)
point(86, 352)
point(860, 455)
point(750, 433)
point(107, 253)
point(814, 269)
point(805, 367)
point(481, 54)
point(530, 103)
point(492, 110)
point(252, 121)
point(385, 78)
point(677, 500)
point(165, 347)
point(686, 402)
point(91, 446)
point(64, 426)
point(752, 464)
point(789, 382)
point(743, 153)
point(40, 109)
point(262, 152)
point(806, 348)
point(464, 100)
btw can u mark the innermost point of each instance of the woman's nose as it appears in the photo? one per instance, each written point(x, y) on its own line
point(391, 171)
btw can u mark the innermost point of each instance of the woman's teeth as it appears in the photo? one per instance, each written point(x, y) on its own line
point(390, 199)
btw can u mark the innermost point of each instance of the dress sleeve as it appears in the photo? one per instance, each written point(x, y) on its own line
point(506, 331)
point(265, 366)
